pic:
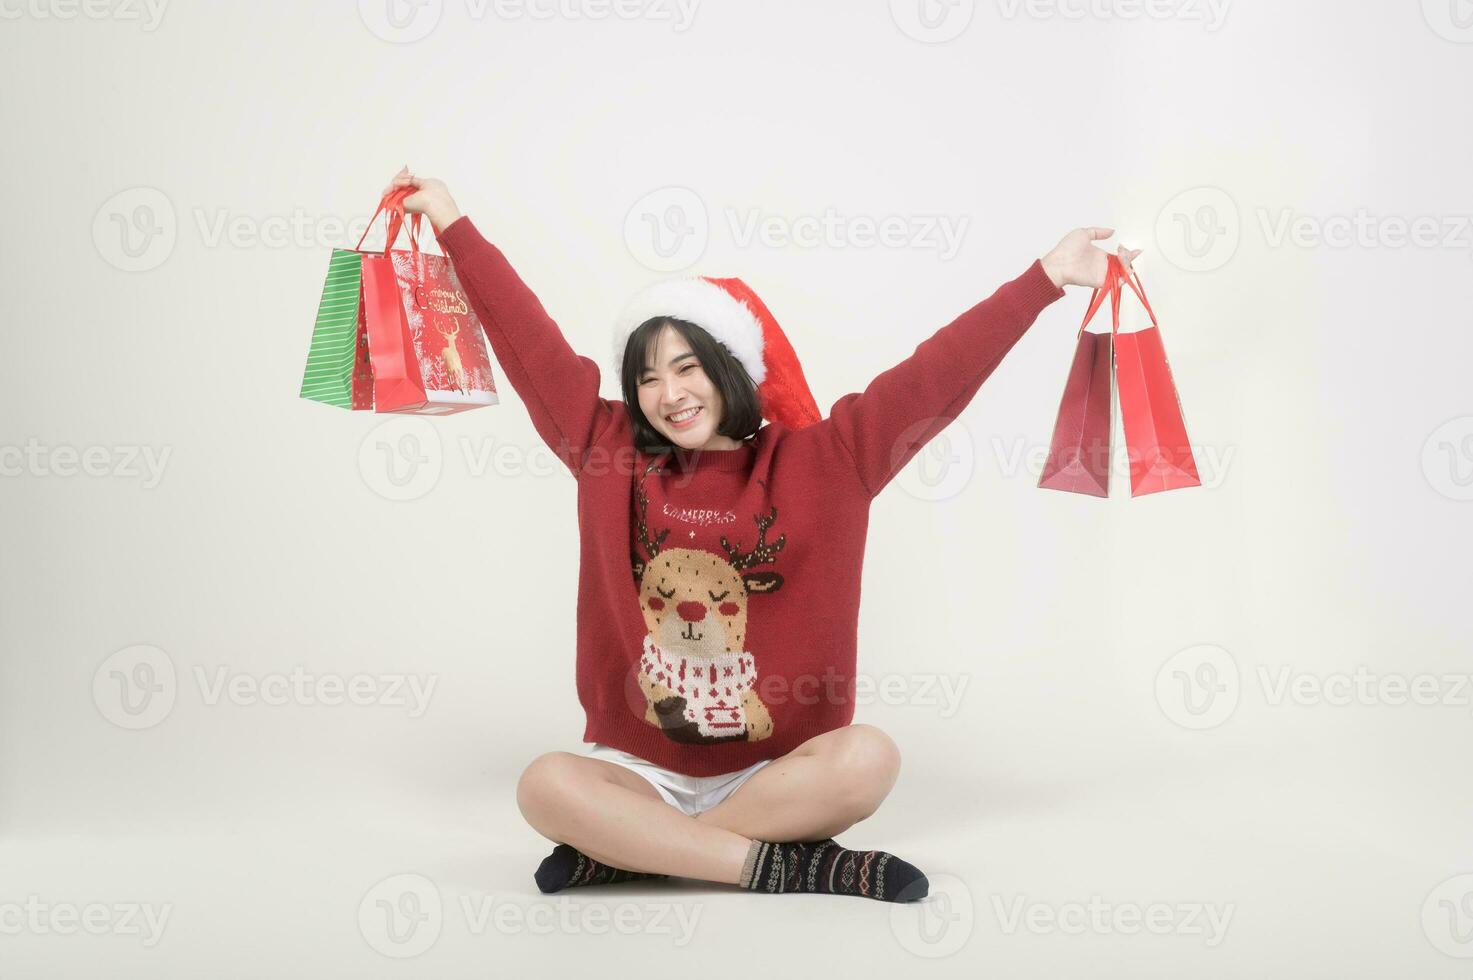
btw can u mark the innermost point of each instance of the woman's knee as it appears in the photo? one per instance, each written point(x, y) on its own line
point(547, 785)
point(866, 763)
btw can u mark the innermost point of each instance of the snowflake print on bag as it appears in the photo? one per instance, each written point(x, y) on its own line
point(699, 682)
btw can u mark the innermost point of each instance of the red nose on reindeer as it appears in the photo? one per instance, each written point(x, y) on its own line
point(692, 612)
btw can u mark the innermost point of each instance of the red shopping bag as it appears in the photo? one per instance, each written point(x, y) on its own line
point(1079, 455)
point(394, 330)
point(1150, 408)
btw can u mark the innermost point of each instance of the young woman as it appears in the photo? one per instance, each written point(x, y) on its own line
point(719, 570)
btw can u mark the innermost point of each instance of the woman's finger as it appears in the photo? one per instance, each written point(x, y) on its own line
point(1095, 234)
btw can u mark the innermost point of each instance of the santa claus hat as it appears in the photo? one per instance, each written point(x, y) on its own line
point(731, 312)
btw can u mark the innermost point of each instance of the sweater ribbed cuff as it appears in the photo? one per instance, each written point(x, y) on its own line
point(458, 235)
point(1035, 290)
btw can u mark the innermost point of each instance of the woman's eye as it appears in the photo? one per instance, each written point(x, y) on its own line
point(688, 367)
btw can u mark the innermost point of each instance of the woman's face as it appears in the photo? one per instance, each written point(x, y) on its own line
point(674, 382)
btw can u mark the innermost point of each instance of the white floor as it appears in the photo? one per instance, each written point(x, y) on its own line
point(1256, 867)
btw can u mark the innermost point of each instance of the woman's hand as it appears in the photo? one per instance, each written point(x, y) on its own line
point(431, 198)
point(1075, 262)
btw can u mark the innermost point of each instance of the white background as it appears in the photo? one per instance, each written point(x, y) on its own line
point(1322, 367)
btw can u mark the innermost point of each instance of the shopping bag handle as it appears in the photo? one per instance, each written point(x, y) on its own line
point(393, 204)
point(1111, 288)
point(1115, 274)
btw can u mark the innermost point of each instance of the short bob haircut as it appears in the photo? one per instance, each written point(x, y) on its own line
point(742, 412)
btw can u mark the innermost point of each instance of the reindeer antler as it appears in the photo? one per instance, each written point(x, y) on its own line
point(651, 546)
point(763, 553)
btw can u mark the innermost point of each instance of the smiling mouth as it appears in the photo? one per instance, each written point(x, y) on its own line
point(681, 423)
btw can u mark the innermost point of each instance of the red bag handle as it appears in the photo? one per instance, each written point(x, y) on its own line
point(1115, 274)
point(1111, 288)
point(393, 204)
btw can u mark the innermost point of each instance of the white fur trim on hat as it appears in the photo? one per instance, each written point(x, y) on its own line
point(703, 303)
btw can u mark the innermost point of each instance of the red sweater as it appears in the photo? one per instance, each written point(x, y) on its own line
point(718, 591)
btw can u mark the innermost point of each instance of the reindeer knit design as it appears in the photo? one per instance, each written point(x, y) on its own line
point(746, 562)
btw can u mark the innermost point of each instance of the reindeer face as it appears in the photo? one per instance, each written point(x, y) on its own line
point(694, 602)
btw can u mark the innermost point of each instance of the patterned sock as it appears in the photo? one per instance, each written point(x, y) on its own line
point(826, 867)
point(568, 867)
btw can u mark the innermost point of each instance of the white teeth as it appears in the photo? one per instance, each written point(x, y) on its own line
point(684, 415)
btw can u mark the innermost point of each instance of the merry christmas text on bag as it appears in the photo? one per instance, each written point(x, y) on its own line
point(394, 331)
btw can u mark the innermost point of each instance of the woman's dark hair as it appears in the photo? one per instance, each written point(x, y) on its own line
point(741, 414)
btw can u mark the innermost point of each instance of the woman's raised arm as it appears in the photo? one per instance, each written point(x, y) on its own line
point(558, 386)
point(905, 407)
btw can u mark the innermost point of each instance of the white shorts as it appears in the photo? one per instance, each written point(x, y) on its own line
point(689, 794)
